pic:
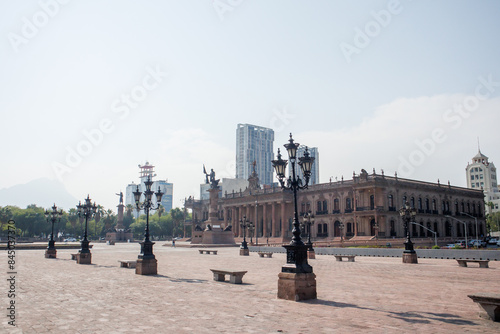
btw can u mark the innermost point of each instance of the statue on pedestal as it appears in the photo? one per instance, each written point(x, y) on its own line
point(210, 178)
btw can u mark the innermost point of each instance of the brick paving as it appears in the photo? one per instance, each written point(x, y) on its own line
point(371, 295)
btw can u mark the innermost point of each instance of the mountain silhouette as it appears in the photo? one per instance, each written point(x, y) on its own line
point(43, 192)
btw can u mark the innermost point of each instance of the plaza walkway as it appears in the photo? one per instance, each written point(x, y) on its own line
point(371, 295)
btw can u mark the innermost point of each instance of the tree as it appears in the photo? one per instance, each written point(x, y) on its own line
point(5, 215)
point(493, 220)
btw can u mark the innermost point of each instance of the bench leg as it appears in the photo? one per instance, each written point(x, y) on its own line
point(338, 258)
point(236, 279)
point(462, 263)
point(219, 277)
point(350, 259)
point(483, 265)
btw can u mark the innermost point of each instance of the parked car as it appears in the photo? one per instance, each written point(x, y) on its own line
point(461, 243)
point(69, 240)
point(498, 243)
point(477, 243)
point(450, 246)
point(493, 241)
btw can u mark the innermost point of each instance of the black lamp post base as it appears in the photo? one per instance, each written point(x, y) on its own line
point(296, 260)
point(296, 286)
point(147, 250)
point(146, 266)
point(410, 257)
point(244, 251)
point(50, 253)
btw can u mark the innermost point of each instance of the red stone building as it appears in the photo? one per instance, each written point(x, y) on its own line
point(364, 207)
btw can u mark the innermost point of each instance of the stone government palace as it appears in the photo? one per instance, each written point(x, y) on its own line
point(365, 207)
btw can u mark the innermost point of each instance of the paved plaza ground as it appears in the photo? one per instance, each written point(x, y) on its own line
point(371, 295)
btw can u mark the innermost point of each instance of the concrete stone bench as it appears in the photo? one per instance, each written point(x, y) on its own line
point(350, 258)
point(127, 264)
point(490, 303)
point(207, 251)
point(235, 277)
point(482, 263)
point(266, 254)
point(74, 256)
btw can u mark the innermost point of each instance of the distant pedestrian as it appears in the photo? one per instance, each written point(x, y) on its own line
point(173, 243)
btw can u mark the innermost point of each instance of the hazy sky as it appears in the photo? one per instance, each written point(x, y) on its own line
point(91, 89)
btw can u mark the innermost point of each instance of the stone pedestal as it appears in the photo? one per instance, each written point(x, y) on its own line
point(146, 267)
point(292, 286)
point(244, 252)
point(84, 258)
point(217, 236)
point(410, 257)
point(311, 254)
point(50, 253)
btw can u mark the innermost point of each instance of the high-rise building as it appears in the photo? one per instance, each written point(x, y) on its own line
point(254, 143)
point(313, 152)
point(165, 187)
point(482, 174)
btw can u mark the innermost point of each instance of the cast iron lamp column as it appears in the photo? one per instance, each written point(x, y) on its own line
point(309, 222)
point(87, 210)
point(251, 229)
point(147, 244)
point(53, 216)
point(244, 245)
point(408, 215)
point(296, 250)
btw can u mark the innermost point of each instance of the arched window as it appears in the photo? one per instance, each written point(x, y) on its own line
point(348, 204)
point(427, 206)
point(412, 202)
point(434, 205)
point(325, 206)
point(390, 201)
point(456, 207)
point(336, 205)
point(420, 203)
point(372, 202)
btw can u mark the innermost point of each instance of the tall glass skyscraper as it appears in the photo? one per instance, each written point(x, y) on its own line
point(313, 152)
point(254, 143)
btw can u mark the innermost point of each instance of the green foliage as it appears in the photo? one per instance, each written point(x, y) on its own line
point(436, 247)
point(31, 222)
point(493, 221)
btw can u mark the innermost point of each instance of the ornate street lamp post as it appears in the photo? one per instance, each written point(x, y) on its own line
point(308, 224)
point(244, 245)
point(297, 269)
point(52, 216)
point(408, 215)
point(251, 229)
point(146, 261)
point(86, 210)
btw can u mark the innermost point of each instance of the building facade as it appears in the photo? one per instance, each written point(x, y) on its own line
point(364, 207)
point(254, 143)
point(482, 174)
